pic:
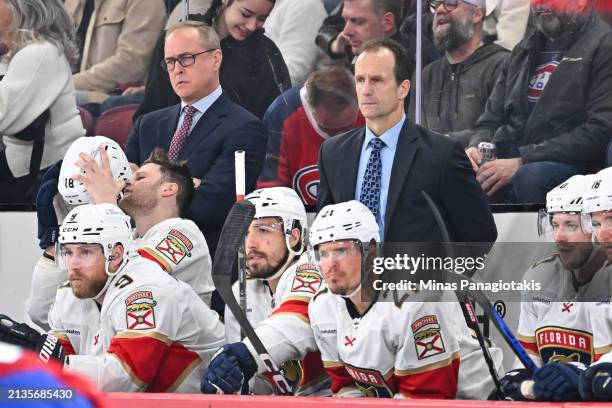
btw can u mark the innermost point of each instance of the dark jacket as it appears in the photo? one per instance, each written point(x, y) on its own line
point(454, 97)
point(209, 152)
point(253, 73)
point(572, 121)
point(423, 161)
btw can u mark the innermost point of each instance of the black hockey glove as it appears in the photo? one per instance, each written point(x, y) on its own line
point(20, 334)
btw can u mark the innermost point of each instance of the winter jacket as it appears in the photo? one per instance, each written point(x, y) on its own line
point(572, 121)
point(454, 97)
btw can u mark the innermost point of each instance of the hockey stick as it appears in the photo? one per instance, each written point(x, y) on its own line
point(233, 232)
point(240, 193)
point(481, 299)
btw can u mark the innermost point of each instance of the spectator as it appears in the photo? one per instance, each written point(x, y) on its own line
point(253, 71)
point(456, 87)
point(116, 43)
point(328, 107)
point(38, 113)
point(207, 126)
point(361, 20)
point(389, 162)
point(293, 26)
point(550, 112)
point(506, 21)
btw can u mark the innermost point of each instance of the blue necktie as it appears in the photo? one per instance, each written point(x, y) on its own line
point(370, 188)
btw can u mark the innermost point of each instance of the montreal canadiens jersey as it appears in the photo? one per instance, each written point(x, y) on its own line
point(556, 324)
point(399, 349)
point(179, 247)
point(152, 332)
point(285, 330)
point(300, 141)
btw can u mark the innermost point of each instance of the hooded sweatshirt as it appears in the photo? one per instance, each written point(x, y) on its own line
point(454, 96)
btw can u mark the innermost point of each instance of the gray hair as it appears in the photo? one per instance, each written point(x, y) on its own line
point(37, 20)
point(380, 7)
point(209, 37)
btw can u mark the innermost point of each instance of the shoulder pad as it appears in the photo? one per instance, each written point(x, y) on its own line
point(323, 290)
point(548, 259)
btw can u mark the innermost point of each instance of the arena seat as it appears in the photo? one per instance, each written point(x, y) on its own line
point(116, 123)
point(88, 121)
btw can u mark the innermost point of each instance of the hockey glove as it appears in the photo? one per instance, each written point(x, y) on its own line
point(558, 382)
point(20, 334)
point(595, 383)
point(48, 227)
point(232, 365)
point(510, 384)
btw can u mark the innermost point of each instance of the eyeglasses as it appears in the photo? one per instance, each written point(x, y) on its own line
point(185, 60)
point(449, 5)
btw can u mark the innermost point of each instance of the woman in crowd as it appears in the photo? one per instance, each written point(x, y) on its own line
point(253, 71)
point(38, 114)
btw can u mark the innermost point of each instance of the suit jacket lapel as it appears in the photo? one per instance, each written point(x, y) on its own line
point(404, 156)
point(206, 124)
point(353, 154)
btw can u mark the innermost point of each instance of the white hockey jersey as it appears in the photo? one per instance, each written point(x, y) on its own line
point(283, 325)
point(399, 349)
point(556, 323)
point(176, 244)
point(151, 333)
point(179, 247)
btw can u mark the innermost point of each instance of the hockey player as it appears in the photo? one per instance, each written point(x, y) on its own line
point(559, 324)
point(52, 207)
point(574, 382)
point(282, 283)
point(377, 347)
point(158, 195)
point(123, 322)
point(155, 198)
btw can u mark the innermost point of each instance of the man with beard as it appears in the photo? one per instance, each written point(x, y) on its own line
point(157, 196)
point(456, 87)
point(550, 112)
point(559, 325)
point(386, 343)
point(282, 283)
point(121, 321)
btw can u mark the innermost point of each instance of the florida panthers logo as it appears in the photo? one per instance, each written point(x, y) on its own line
point(306, 183)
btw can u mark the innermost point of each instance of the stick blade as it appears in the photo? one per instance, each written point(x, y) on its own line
point(233, 233)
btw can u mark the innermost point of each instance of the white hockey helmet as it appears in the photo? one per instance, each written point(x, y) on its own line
point(283, 203)
point(103, 224)
point(567, 197)
point(75, 193)
point(598, 197)
point(350, 220)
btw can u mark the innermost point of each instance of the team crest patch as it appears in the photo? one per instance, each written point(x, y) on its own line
point(427, 337)
point(140, 311)
point(564, 345)
point(175, 246)
point(306, 281)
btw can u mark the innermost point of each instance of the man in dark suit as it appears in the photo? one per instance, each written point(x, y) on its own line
point(205, 129)
point(388, 163)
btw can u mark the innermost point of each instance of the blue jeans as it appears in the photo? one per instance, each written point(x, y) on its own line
point(533, 180)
